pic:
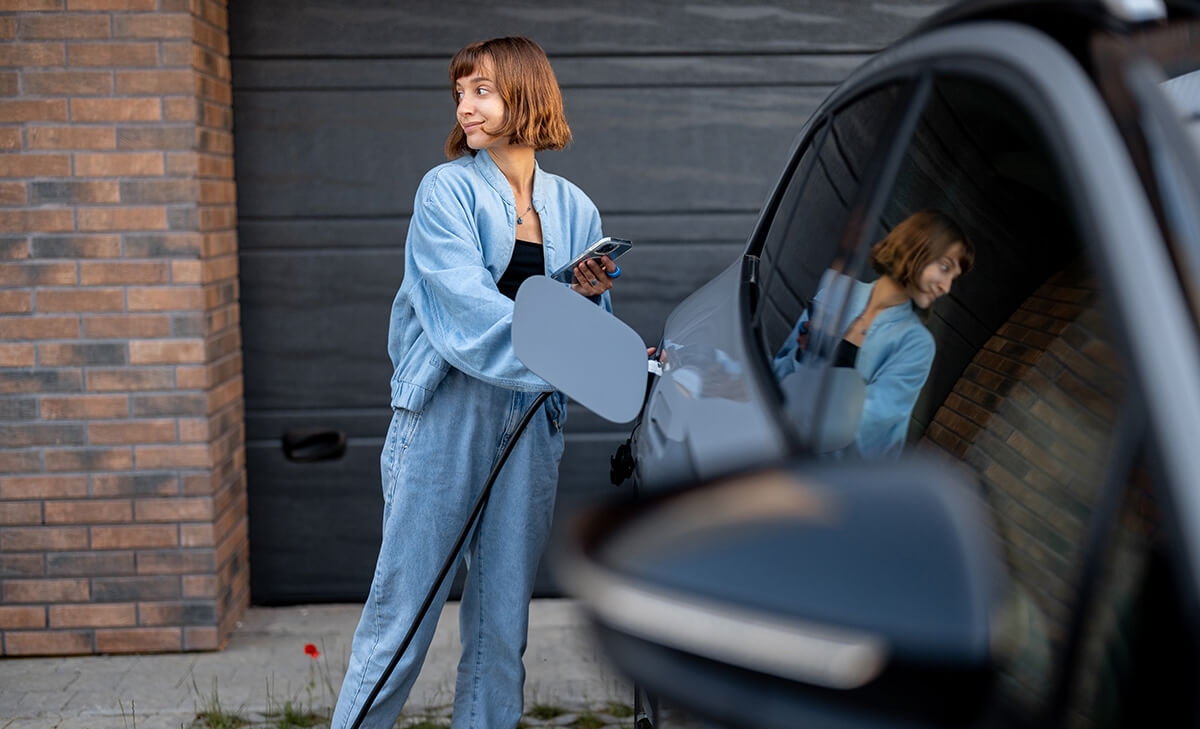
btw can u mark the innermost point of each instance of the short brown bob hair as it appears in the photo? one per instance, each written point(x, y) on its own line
point(917, 241)
point(533, 106)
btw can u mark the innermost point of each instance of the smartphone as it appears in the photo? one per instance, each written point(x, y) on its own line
point(611, 247)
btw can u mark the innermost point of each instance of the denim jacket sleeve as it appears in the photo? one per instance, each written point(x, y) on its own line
point(467, 320)
point(892, 392)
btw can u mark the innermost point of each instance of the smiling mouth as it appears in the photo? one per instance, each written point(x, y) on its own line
point(468, 128)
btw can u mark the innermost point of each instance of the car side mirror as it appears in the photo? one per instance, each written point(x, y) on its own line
point(813, 595)
point(580, 349)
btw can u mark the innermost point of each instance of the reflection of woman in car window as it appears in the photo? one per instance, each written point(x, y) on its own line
point(880, 332)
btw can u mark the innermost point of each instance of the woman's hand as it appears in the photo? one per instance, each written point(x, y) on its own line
point(591, 276)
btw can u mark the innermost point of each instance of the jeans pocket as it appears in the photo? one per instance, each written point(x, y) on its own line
point(400, 435)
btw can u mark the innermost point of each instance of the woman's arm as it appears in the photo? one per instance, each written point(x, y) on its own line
point(891, 395)
point(466, 318)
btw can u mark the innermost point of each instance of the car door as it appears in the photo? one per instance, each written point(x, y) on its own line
point(1060, 374)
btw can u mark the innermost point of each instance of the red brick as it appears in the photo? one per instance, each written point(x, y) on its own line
point(166, 298)
point(72, 137)
point(16, 301)
point(41, 434)
point(66, 354)
point(47, 643)
point(132, 431)
point(22, 617)
point(192, 378)
point(156, 82)
point(30, 5)
point(93, 110)
point(23, 110)
point(68, 83)
point(208, 165)
point(42, 538)
point(35, 165)
point(119, 273)
point(200, 586)
point(214, 38)
point(90, 564)
point(193, 430)
point(37, 274)
point(196, 535)
point(20, 513)
point(38, 327)
point(43, 487)
point(93, 616)
point(200, 639)
point(89, 459)
point(47, 221)
point(26, 55)
point(118, 164)
point(130, 379)
point(41, 381)
point(146, 484)
point(125, 218)
point(166, 351)
point(139, 640)
point(175, 456)
point(81, 300)
point(159, 137)
point(174, 562)
point(112, 54)
point(155, 25)
point(13, 193)
point(179, 108)
point(135, 537)
point(187, 272)
point(143, 5)
point(78, 246)
point(46, 590)
point(73, 192)
point(71, 27)
point(8, 26)
point(132, 326)
point(17, 355)
point(84, 407)
point(176, 404)
point(89, 511)
point(10, 138)
point(22, 565)
point(174, 510)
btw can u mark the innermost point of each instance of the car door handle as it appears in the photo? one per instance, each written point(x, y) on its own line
point(308, 445)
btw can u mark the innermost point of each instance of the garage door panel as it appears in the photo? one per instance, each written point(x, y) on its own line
point(314, 327)
point(424, 27)
point(326, 153)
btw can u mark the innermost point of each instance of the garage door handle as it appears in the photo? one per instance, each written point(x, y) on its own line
point(308, 445)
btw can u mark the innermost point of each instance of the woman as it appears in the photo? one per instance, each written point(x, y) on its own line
point(879, 332)
point(481, 223)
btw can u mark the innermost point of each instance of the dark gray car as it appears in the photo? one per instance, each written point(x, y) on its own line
point(1033, 558)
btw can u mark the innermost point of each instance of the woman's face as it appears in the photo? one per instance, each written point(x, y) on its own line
point(935, 278)
point(479, 106)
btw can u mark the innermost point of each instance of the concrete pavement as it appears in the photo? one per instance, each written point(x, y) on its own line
point(264, 665)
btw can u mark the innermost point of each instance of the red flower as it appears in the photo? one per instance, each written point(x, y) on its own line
point(311, 651)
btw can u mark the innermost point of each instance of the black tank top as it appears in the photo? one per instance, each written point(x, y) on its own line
point(526, 261)
point(845, 355)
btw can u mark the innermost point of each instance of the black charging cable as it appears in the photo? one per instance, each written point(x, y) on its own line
point(451, 559)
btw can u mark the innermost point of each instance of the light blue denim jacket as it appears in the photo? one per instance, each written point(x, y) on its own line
point(894, 360)
point(448, 311)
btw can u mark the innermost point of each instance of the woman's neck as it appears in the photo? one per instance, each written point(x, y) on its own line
point(886, 293)
point(517, 163)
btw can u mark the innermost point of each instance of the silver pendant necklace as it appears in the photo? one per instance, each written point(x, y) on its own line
point(521, 217)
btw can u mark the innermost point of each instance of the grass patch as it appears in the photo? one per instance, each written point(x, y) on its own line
point(618, 710)
point(292, 716)
point(211, 715)
point(587, 720)
point(545, 711)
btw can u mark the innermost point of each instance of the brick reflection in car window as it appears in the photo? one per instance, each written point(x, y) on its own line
point(1033, 414)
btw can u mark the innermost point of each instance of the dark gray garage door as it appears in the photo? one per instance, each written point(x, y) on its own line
point(683, 114)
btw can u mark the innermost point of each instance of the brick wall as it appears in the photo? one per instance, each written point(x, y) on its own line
point(122, 481)
point(1032, 415)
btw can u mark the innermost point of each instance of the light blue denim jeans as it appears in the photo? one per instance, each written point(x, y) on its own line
point(434, 464)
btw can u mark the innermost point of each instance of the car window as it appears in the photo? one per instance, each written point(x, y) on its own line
point(1009, 369)
point(804, 243)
